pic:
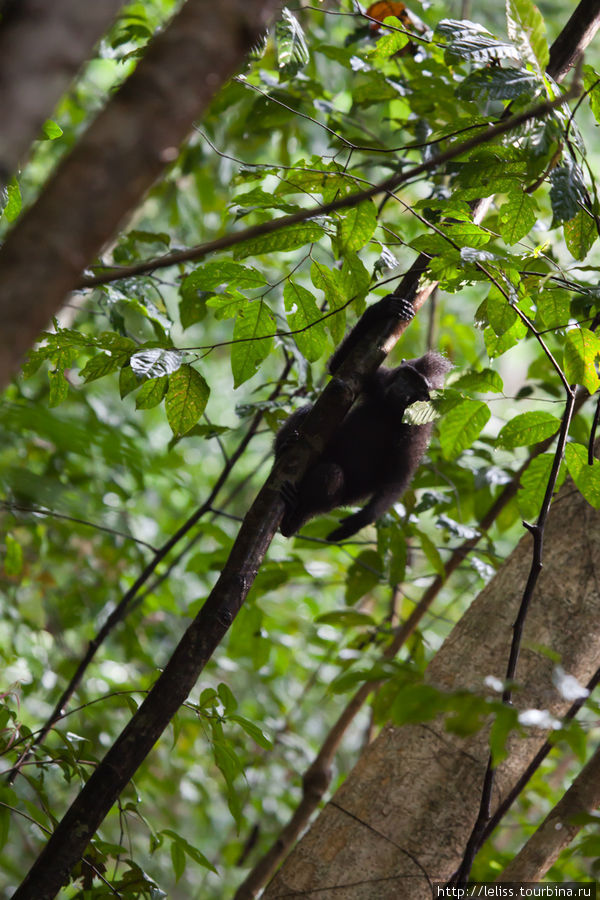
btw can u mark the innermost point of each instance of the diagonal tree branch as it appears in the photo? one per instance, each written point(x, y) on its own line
point(115, 162)
point(42, 45)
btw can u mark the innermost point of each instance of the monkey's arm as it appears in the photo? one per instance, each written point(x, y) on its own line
point(388, 307)
point(377, 505)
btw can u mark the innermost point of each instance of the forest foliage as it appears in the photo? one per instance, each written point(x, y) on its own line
point(135, 400)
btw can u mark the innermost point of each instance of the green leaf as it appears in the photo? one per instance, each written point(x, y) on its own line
point(501, 315)
point(432, 553)
point(292, 51)
point(11, 200)
point(51, 130)
point(528, 428)
point(346, 618)
point(13, 559)
point(527, 29)
point(586, 477)
point(356, 227)
point(178, 859)
point(100, 365)
point(227, 697)
point(363, 575)
point(580, 234)
point(186, 399)
point(554, 308)
point(214, 276)
point(333, 284)
point(253, 731)
point(390, 43)
point(483, 382)
point(253, 336)
point(461, 425)
point(581, 348)
point(534, 482)
point(591, 83)
point(155, 362)
point(152, 392)
point(128, 381)
point(568, 192)
point(499, 84)
point(306, 320)
point(289, 238)
point(472, 41)
point(59, 388)
point(517, 217)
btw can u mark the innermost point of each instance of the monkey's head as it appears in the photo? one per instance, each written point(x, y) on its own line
point(416, 378)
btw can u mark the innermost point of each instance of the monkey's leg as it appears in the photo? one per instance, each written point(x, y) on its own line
point(319, 491)
point(375, 508)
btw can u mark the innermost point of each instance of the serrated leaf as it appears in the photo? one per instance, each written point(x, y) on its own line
point(496, 345)
point(580, 234)
point(586, 477)
point(527, 29)
point(390, 43)
point(282, 241)
point(100, 365)
point(473, 42)
point(333, 285)
point(155, 362)
point(223, 274)
point(501, 315)
point(306, 320)
point(528, 428)
point(568, 193)
point(292, 51)
point(486, 381)
point(186, 399)
point(499, 84)
point(253, 335)
point(517, 217)
point(152, 392)
point(580, 351)
point(554, 308)
point(356, 227)
point(59, 388)
point(461, 426)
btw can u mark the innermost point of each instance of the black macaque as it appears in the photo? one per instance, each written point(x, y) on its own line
point(372, 454)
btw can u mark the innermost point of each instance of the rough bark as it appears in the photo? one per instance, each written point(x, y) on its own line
point(558, 828)
point(42, 46)
point(115, 162)
point(401, 819)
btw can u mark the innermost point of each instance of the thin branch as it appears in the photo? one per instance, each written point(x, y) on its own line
point(264, 228)
point(124, 605)
point(537, 531)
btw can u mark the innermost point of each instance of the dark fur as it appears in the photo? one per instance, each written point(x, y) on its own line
point(372, 454)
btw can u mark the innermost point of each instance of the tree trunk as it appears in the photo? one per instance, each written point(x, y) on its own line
point(115, 162)
point(42, 46)
point(402, 818)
